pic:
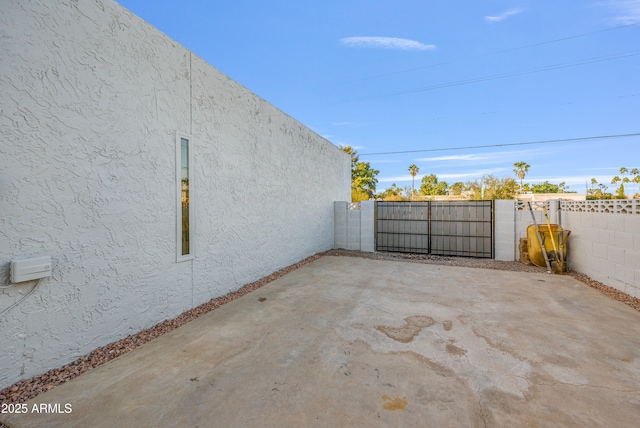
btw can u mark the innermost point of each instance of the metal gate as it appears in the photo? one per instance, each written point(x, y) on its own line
point(460, 228)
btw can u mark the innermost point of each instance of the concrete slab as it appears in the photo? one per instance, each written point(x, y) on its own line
point(345, 341)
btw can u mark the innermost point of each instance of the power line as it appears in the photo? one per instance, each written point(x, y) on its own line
point(502, 76)
point(565, 140)
point(562, 39)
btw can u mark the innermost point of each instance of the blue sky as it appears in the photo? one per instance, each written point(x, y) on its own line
point(387, 76)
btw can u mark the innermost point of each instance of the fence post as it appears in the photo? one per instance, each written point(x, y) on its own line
point(554, 205)
point(340, 224)
point(505, 236)
point(367, 223)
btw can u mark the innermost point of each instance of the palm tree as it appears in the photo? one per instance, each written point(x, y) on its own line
point(621, 180)
point(413, 170)
point(521, 170)
point(636, 179)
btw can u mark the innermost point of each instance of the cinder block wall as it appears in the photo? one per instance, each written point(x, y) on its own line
point(91, 101)
point(604, 241)
point(606, 247)
point(354, 225)
point(505, 231)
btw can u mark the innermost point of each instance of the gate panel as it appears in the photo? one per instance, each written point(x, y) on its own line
point(402, 227)
point(460, 228)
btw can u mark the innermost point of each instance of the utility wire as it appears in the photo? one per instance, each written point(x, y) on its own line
point(562, 39)
point(565, 140)
point(4, 311)
point(502, 76)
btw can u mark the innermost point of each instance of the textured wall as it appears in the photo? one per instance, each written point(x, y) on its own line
point(91, 98)
point(606, 247)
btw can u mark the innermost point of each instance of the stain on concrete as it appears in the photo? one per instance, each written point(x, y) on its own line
point(500, 346)
point(395, 403)
point(405, 334)
point(438, 369)
point(262, 299)
point(483, 417)
point(447, 325)
point(455, 350)
point(561, 360)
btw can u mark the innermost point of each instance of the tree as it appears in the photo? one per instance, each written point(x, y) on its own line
point(521, 170)
point(413, 170)
point(622, 180)
point(431, 186)
point(494, 188)
point(457, 188)
point(393, 193)
point(562, 187)
point(635, 180)
point(599, 192)
point(545, 187)
point(363, 177)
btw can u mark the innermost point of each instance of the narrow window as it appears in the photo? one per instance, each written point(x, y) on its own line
point(185, 197)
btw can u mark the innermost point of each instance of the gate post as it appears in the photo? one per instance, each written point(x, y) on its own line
point(429, 235)
point(367, 226)
point(505, 236)
point(339, 224)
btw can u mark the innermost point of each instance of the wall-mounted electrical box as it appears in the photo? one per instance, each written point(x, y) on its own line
point(29, 269)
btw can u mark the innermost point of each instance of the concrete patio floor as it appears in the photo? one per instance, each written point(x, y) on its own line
point(347, 341)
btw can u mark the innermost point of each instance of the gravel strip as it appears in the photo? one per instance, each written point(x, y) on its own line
point(29, 388)
point(440, 260)
point(614, 293)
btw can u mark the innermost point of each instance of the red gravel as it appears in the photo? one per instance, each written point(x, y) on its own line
point(614, 293)
point(29, 388)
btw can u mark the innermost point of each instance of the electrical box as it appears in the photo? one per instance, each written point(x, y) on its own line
point(30, 269)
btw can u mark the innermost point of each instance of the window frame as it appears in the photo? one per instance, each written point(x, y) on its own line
point(191, 220)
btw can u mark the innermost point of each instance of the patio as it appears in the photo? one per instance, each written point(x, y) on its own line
point(349, 341)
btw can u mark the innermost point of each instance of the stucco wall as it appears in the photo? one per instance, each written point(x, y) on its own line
point(91, 99)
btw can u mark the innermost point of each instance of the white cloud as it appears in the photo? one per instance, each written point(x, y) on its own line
point(487, 158)
point(385, 43)
point(627, 11)
point(503, 15)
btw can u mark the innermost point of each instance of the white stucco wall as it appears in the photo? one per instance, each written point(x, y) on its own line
point(91, 99)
